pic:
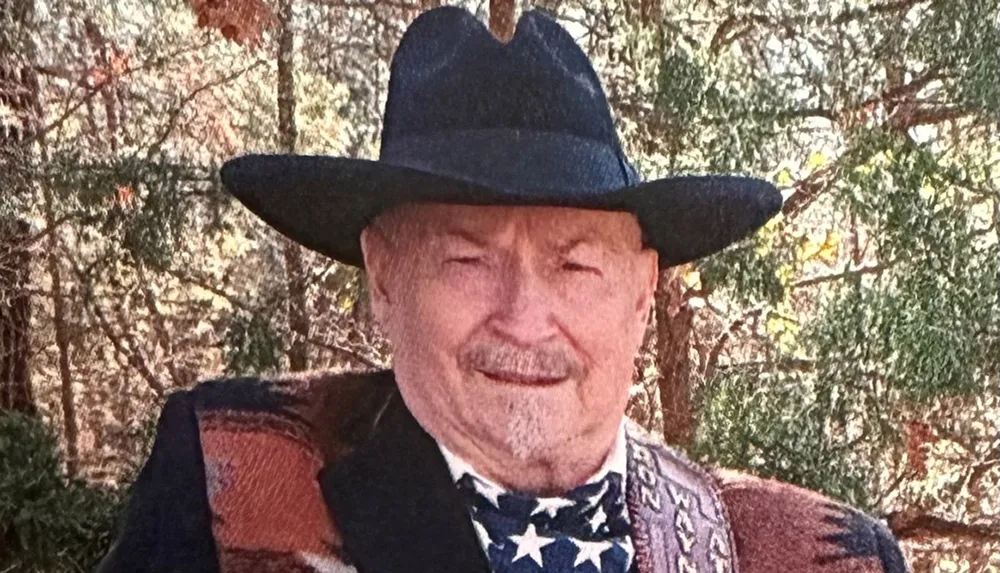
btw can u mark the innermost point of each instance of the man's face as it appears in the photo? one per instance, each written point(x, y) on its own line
point(514, 329)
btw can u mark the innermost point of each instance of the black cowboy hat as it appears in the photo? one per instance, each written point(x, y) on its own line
point(472, 120)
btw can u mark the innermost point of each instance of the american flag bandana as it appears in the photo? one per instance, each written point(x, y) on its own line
point(584, 531)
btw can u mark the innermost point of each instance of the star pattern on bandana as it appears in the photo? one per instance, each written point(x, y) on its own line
point(584, 531)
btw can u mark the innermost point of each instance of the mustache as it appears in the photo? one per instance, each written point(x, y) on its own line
point(510, 361)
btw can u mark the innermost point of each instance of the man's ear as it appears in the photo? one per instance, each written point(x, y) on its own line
point(648, 272)
point(375, 250)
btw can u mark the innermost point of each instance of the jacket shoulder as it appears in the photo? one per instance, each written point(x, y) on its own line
point(781, 527)
point(327, 411)
point(166, 524)
point(264, 440)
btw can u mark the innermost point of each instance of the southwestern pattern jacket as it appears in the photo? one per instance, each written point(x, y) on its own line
point(330, 473)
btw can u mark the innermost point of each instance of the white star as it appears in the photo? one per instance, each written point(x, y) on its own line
point(596, 498)
point(591, 551)
point(551, 505)
point(599, 518)
point(489, 491)
point(484, 536)
point(530, 544)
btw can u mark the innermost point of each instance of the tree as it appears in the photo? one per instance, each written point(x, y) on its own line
point(848, 347)
point(502, 19)
point(298, 313)
point(837, 348)
point(18, 93)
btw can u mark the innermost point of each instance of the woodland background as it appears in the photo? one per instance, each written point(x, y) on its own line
point(853, 346)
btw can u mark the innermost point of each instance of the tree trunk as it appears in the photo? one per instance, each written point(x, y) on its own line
point(15, 315)
point(18, 93)
point(62, 344)
point(502, 19)
point(295, 280)
point(649, 11)
point(674, 322)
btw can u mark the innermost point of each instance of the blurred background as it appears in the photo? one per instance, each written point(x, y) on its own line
point(852, 346)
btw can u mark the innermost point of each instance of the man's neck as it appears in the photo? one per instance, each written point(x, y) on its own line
point(542, 477)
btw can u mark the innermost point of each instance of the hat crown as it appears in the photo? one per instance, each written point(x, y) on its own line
point(471, 120)
point(450, 73)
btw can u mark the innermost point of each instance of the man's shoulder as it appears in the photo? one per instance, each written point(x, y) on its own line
point(284, 390)
point(327, 410)
point(782, 527)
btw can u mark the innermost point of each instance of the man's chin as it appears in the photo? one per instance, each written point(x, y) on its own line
point(528, 426)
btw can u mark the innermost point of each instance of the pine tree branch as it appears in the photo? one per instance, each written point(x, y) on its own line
point(743, 25)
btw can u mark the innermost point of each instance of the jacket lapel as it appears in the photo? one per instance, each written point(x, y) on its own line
point(396, 506)
point(678, 520)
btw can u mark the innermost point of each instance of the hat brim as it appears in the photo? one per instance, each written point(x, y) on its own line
point(323, 203)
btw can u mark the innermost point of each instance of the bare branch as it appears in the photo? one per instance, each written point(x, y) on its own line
point(810, 112)
point(162, 337)
point(844, 275)
point(176, 112)
point(133, 359)
point(337, 349)
point(370, 5)
point(93, 90)
point(781, 365)
point(908, 525)
point(808, 189)
point(56, 223)
point(908, 117)
point(720, 343)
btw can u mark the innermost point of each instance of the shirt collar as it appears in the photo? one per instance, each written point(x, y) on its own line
point(617, 461)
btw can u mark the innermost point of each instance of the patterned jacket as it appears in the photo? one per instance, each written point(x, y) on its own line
point(331, 473)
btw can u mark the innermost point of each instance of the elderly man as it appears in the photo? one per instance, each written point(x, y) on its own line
point(512, 254)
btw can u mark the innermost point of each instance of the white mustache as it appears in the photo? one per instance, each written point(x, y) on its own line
point(508, 361)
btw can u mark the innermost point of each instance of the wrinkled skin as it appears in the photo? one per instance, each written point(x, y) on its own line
point(514, 331)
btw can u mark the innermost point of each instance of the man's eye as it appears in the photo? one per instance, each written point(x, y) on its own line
point(579, 268)
point(465, 260)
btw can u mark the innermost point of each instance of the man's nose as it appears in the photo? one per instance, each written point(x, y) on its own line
point(525, 307)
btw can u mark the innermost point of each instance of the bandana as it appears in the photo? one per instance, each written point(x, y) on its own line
point(586, 530)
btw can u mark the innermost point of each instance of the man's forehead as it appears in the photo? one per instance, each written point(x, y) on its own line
point(557, 223)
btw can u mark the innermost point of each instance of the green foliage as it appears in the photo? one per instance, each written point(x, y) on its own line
point(928, 326)
point(961, 39)
point(680, 90)
point(729, 120)
point(923, 336)
point(749, 272)
point(251, 344)
point(913, 321)
point(778, 424)
point(47, 522)
point(142, 206)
